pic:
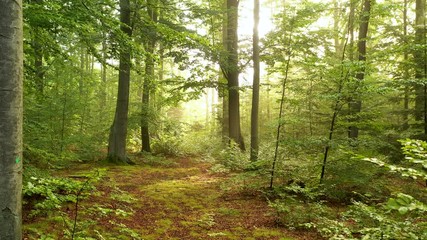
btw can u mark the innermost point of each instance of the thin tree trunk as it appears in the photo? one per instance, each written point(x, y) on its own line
point(281, 110)
point(406, 68)
point(343, 78)
point(11, 78)
point(256, 82)
point(419, 59)
point(38, 57)
point(118, 131)
point(223, 80)
point(103, 95)
point(148, 80)
point(281, 117)
point(225, 121)
point(356, 104)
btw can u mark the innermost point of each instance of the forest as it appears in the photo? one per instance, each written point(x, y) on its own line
point(213, 119)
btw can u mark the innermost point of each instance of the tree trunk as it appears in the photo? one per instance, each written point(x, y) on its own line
point(420, 62)
point(406, 68)
point(103, 90)
point(232, 70)
point(256, 82)
point(118, 131)
point(11, 76)
point(148, 79)
point(222, 90)
point(356, 103)
point(38, 57)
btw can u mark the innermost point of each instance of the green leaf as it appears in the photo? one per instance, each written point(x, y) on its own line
point(403, 210)
point(392, 204)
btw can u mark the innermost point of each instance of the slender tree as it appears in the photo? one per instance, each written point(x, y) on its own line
point(118, 131)
point(11, 76)
point(356, 103)
point(256, 82)
point(420, 63)
point(406, 68)
point(150, 45)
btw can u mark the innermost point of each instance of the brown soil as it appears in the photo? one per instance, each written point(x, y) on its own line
point(183, 201)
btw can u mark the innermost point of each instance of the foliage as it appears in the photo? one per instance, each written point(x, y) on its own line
point(167, 144)
point(401, 217)
point(415, 152)
point(46, 194)
point(233, 158)
point(298, 206)
point(374, 222)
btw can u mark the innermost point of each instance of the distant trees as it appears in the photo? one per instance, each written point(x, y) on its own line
point(11, 82)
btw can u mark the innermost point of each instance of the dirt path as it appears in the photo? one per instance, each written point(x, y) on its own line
point(183, 201)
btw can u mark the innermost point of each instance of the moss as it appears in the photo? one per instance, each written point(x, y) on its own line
point(163, 225)
point(228, 211)
point(265, 232)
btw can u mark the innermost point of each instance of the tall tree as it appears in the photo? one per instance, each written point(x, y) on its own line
point(256, 81)
point(406, 68)
point(356, 103)
point(420, 63)
point(150, 45)
point(231, 70)
point(118, 131)
point(11, 76)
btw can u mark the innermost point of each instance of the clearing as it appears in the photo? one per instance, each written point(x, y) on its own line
point(180, 199)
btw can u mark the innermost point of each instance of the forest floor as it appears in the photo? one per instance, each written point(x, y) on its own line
point(182, 200)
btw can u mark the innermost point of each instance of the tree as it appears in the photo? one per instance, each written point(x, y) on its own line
point(420, 63)
point(11, 76)
point(255, 91)
point(150, 45)
point(118, 131)
point(356, 103)
point(231, 72)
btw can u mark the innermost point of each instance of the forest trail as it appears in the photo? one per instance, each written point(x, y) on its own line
point(183, 200)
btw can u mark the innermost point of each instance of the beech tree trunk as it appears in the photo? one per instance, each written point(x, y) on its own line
point(406, 75)
point(232, 74)
point(256, 82)
point(150, 46)
point(420, 63)
point(118, 131)
point(38, 57)
point(148, 78)
point(356, 104)
point(11, 76)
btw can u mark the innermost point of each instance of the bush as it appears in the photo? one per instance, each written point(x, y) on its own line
point(401, 217)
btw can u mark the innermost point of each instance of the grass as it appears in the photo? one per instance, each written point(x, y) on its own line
point(181, 201)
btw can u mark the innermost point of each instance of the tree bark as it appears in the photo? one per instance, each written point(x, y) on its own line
point(356, 103)
point(256, 82)
point(420, 62)
point(38, 56)
point(232, 74)
point(11, 77)
point(118, 131)
point(406, 68)
point(148, 78)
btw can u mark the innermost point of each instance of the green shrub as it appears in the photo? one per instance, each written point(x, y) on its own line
point(168, 145)
point(401, 217)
